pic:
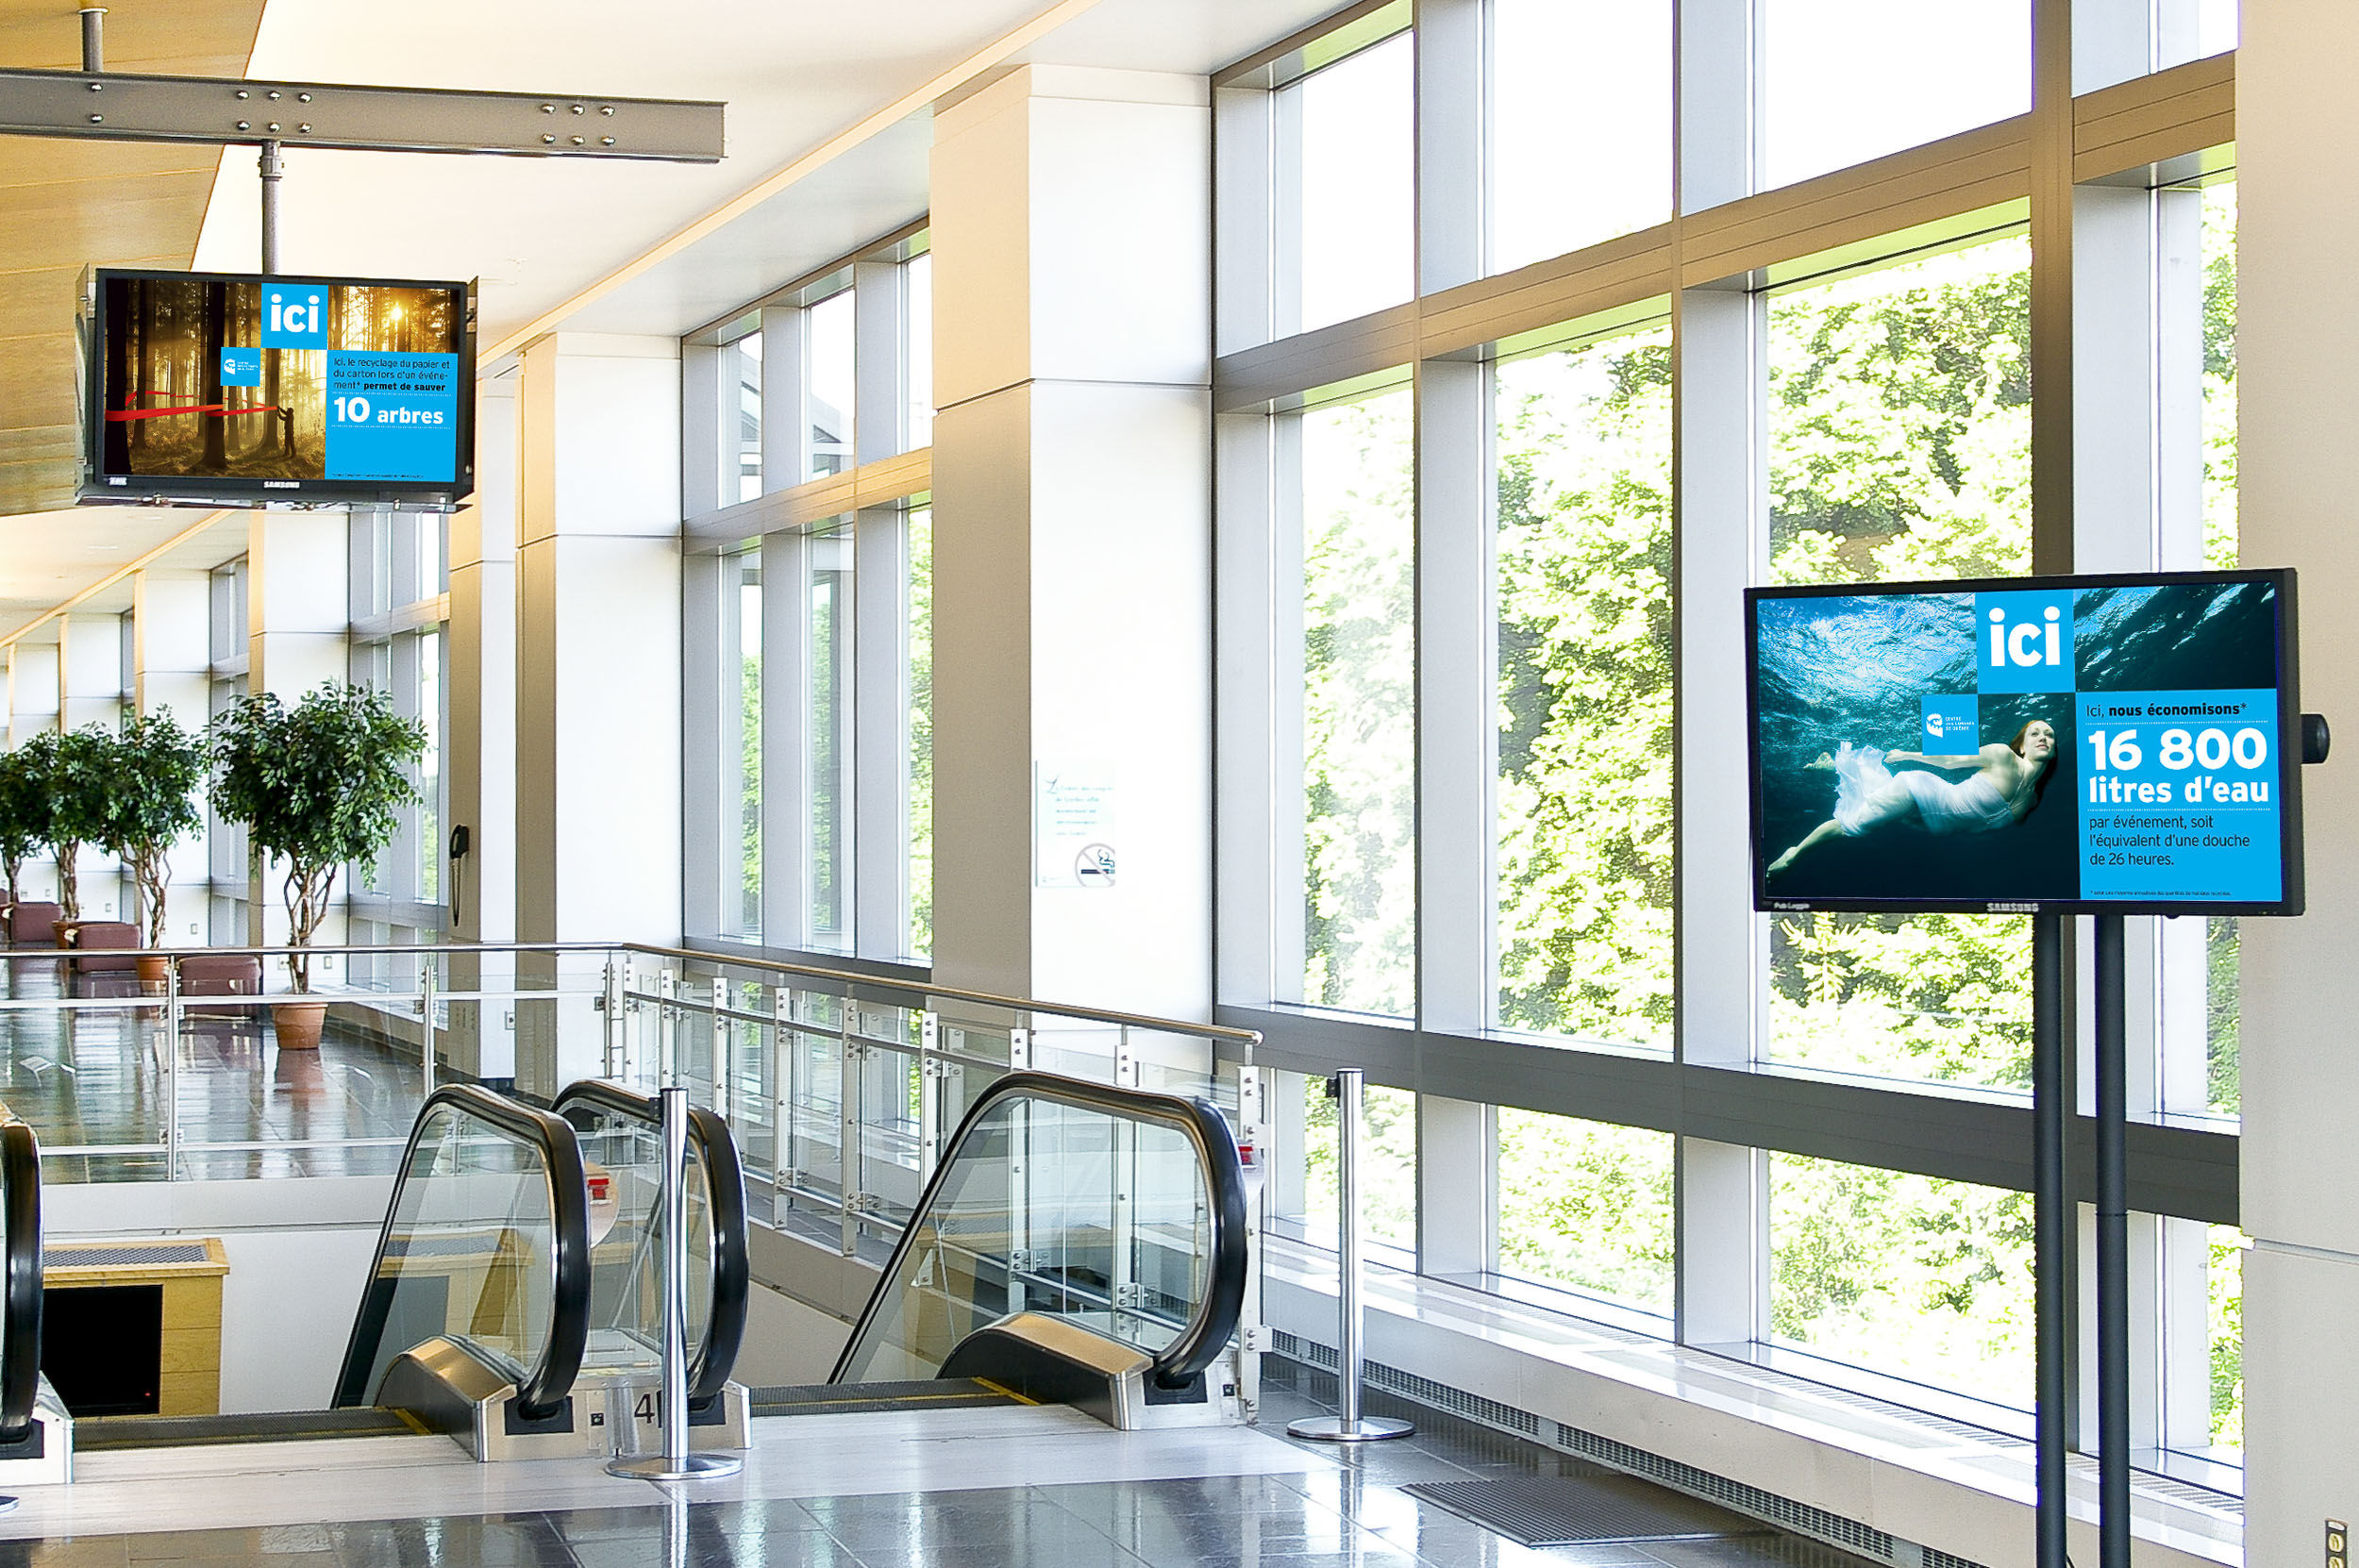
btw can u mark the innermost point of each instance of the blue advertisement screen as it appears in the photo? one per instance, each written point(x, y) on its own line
point(2041, 744)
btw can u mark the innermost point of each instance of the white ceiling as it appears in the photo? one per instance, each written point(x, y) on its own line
point(828, 135)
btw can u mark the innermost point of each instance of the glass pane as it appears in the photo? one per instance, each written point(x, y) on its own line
point(1054, 1209)
point(1345, 209)
point(2224, 1323)
point(1899, 449)
point(2223, 1074)
point(1583, 562)
point(1388, 1167)
point(740, 759)
point(1359, 714)
point(921, 730)
point(744, 377)
point(829, 364)
point(830, 738)
point(1587, 1206)
point(1544, 202)
point(623, 1159)
point(1905, 1274)
point(918, 278)
point(430, 768)
point(1847, 80)
point(470, 1251)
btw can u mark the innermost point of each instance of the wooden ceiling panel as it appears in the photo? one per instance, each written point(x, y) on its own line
point(68, 205)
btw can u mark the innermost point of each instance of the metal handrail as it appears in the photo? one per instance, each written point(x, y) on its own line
point(1215, 1318)
point(20, 1281)
point(544, 1387)
point(1014, 1004)
point(716, 960)
point(724, 1182)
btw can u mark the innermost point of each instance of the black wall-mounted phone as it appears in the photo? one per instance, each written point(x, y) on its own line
point(461, 841)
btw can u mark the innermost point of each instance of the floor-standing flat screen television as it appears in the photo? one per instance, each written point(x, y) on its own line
point(2027, 746)
point(214, 388)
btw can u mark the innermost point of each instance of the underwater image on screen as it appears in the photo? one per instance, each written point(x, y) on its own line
point(2046, 744)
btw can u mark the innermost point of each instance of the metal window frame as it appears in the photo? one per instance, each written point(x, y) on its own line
point(2134, 122)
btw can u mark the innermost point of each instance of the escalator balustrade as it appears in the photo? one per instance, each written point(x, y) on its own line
point(620, 1131)
point(1077, 1244)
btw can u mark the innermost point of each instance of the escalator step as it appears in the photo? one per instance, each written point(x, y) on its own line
point(99, 1434)
point(947, 1393)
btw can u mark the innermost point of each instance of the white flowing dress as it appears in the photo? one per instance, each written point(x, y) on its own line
point(1868, 794)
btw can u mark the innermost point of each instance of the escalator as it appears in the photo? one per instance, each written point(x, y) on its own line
point(1077, 1244)
point(510, 1303)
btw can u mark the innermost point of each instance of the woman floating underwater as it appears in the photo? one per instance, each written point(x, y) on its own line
point(2006, 785)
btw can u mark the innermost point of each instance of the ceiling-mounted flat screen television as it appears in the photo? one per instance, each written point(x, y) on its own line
point(2126, 745)
point(227, 388)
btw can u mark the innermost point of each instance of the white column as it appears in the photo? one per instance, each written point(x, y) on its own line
point(298, 613)
point(90, 695)
point(598, 768)
point(2296, 394)
point(1072, 611)
point(90, 673)
point(479, 749)
point(170, 671)
point(32, 691)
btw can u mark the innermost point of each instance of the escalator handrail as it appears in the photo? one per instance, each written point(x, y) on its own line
point(724, 1178)
point(1216, 1319)
point(20, 1281)
point(544, 1387)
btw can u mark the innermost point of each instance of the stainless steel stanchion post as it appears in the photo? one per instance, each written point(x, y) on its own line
point(676, 1463)
point(1350, 1426)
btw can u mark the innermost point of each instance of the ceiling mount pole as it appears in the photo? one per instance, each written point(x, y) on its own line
point(94, 38)
point(272, 168)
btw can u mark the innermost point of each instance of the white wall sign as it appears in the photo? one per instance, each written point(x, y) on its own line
point(1073, 826)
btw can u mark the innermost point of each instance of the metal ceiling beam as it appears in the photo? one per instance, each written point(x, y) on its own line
point(101, 106)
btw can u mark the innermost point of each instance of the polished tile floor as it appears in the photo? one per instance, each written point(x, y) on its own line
point(91, 1077)
point(842, 1492)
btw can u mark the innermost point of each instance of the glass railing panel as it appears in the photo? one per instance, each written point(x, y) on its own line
point(1046, 1207)
point(470, 1251)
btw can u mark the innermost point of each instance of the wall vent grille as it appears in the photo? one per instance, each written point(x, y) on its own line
point(1785, 1513)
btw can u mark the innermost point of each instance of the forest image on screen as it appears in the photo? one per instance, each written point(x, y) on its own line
point(288, 380)
point(2059, 744)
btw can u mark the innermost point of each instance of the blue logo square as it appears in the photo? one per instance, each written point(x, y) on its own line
point(1953, 727)
point(2023, 641)
point(241, 367)
point(295, 315)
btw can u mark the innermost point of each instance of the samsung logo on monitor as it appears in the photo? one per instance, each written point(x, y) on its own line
point(282, 484)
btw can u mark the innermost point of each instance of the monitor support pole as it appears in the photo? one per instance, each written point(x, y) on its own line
point(2054, 1089)
point(2112, 1252)
point(2054, 1082)
point(273, 168)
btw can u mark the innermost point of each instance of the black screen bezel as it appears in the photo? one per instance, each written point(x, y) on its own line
point(204, 489)
point(2289, 749)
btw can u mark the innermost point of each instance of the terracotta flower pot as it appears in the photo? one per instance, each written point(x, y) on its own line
point(154, 973)
point(298, 1025)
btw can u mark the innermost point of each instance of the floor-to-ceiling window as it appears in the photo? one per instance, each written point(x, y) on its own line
point(1502, 447)
point(810, 619)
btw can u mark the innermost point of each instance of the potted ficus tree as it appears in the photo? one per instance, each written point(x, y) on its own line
point(24, 816)
point(157, 767)
point(73, 771)
point(318, 786)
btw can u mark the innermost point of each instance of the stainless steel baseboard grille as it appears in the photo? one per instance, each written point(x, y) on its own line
point(1553, 1510)
point(1769, 1506)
